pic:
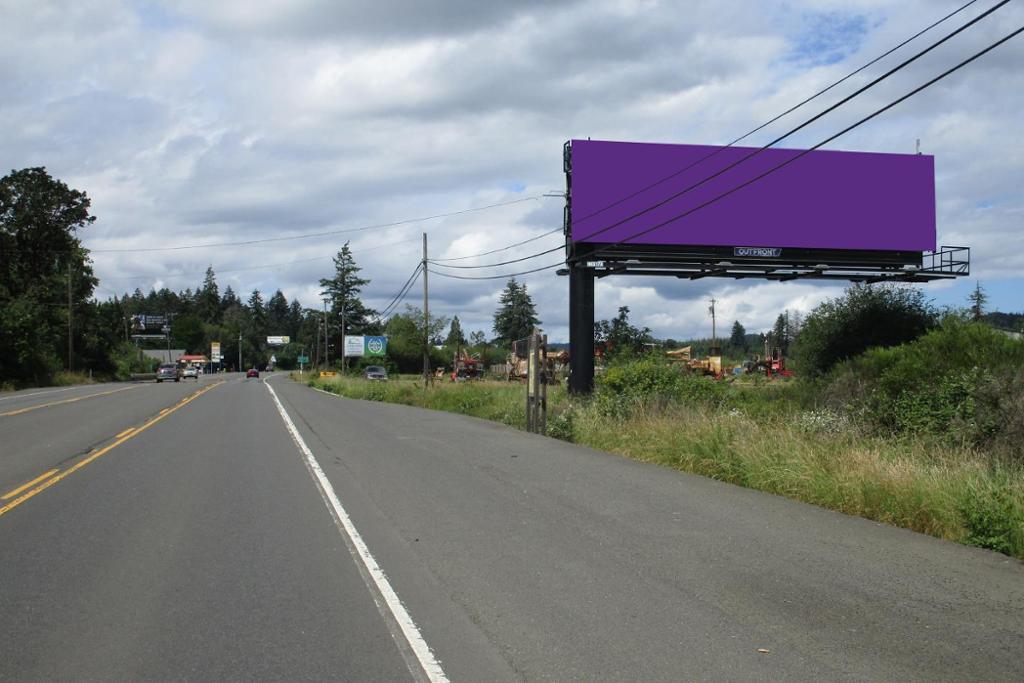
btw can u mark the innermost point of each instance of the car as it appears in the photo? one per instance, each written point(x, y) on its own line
point(191, 371)
point(375, 372)
point(168, 371)
point(253, 372)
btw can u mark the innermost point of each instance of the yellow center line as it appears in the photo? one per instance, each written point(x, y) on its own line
point(12, 494)
point(19, 411)
point(96, 454)
point(127, 431)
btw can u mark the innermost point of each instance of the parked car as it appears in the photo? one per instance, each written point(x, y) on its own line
point(253, 372)
point(191, 371)
point(168, 371)
point(375, 372)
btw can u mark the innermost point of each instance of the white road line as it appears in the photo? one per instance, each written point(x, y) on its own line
point(431, 667)
point(51, 391)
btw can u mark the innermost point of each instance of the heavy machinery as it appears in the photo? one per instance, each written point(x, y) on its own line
point(518, 365)
point(711, 366)
point(465, 367)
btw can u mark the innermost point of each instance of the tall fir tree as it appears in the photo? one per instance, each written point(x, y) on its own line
point(208, 299)
point(516, 315)
point(342, 292)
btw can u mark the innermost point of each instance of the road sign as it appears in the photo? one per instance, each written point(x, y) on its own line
point(303, 359)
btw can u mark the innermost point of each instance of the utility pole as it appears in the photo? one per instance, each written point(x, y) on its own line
point(714, 336)
point(426, 318)
point(70, 347)
point(239, 351)
point(327, 340)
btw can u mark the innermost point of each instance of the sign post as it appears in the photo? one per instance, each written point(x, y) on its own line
point(537, 384)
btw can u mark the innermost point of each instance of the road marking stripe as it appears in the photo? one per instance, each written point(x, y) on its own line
point(431, 667)
point(97, 453)
point(127, 431)
point(12, 494)
point(40, 393)
point(19, 411)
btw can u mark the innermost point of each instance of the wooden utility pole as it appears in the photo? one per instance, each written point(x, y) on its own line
point(426, 318)
point(70, 347)
point(327, 340)
point(714, 336)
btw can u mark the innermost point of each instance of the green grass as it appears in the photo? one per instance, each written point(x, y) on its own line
point(758, 435)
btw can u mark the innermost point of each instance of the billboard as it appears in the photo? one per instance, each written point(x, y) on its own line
point(359, 345)
point(215, 351)
point(823, 200)
point(278, 340)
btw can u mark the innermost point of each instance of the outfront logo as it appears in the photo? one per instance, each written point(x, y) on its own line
point(757, 252)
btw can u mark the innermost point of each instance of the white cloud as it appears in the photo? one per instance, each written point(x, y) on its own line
point(196, 122)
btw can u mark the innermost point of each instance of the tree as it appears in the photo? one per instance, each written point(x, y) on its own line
point(342, 291)
point(277, 314)
point(865, 316)
point(738, 338)
point(406, 339)
point(40, 256)
point(477, 338)
point(978, 299)
point(516, 315)
point(455, 336)
point(618, 335)
point(208, 299)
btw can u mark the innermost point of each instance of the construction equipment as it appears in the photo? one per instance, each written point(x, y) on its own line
point(465, 367)
point(518, 364)
point(711, 366)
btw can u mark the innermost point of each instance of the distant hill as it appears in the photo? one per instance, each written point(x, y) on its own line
point(1011, 322)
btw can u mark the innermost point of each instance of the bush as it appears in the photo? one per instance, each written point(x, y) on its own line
point(961, 380)
point(866, 316)
point(651, 379)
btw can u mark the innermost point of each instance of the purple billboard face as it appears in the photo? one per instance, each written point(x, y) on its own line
point(823, 200)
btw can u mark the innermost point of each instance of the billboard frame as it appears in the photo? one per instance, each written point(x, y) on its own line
point(588, 261)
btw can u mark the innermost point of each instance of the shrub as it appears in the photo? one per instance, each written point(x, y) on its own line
point(962, 380)
point(866, 316)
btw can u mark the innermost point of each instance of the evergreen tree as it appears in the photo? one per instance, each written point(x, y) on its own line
point(455, 336)
point(208, 306)
point(229, 300)
point(277, 314)
point(516, 315)
point(294, 319)
point(619, 335)
point(342, 292)
point(978, 299)
point(738, 338)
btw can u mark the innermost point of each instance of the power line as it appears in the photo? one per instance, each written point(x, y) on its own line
point(496, 277)
point(504, 263)
point(806, 123)
point(327, 233)
point(390, 308)
point(779, 116)
point(828, 139)
point(495, 251)
point(279, 264)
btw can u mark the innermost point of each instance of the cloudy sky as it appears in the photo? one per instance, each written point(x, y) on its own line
point(193, 122)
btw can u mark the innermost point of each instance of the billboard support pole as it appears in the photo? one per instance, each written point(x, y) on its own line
point(581, 329)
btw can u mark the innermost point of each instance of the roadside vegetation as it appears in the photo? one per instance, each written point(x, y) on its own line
point(925, 433)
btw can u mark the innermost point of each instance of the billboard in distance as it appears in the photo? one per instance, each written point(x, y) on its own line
point(823, 200)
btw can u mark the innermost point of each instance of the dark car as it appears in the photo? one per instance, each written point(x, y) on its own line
point(375, 372)
point(253, 372)
point(168, 371)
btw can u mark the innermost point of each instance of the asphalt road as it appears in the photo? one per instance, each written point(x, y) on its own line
point(234, 529)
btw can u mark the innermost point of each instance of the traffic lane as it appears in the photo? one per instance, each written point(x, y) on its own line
point(37, 441)
point(580, 564)
point(197, 550)
point(32, 399)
